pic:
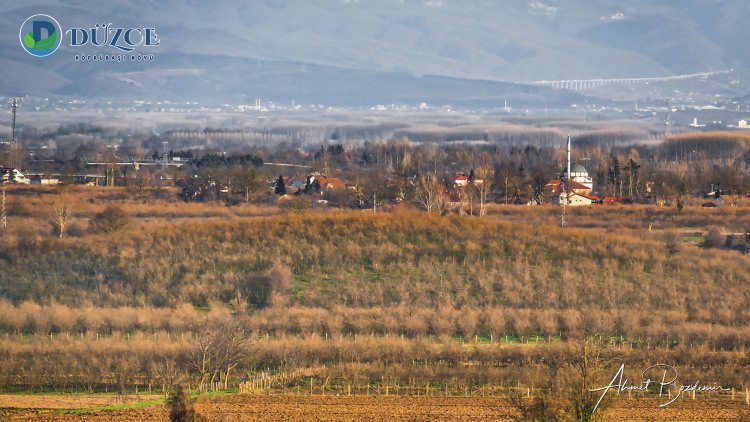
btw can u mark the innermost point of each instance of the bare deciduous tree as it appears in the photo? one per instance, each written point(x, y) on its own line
point(485, 174)
point(245, 179)
point(217, 350)
point(62, 211)
point(588, 364)
point(429, 192)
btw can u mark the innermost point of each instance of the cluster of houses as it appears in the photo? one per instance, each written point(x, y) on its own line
point(316, 181)
point(576, 190)
point(317, 184)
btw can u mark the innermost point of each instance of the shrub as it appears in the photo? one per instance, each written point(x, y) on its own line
point(180, 407)
point(112, 219)
point(714, 239)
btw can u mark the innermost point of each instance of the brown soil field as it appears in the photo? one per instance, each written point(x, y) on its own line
point(69, 401)
point(331, 408)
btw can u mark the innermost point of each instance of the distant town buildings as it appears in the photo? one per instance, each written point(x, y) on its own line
point(695, 123)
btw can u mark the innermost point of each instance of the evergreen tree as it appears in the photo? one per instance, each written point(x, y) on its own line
point(280, 186)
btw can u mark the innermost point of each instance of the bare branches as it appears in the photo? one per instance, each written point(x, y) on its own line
point(245, 179)
point(483, 186)
point(217, 350)
point(62, 210)
point(429, 192)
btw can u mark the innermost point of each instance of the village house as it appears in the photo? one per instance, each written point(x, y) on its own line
point(462, 179)
point(12, 175)
point(42, 179)
point(296, 183)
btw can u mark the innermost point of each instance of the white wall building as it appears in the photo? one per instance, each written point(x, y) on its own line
point(8, 174)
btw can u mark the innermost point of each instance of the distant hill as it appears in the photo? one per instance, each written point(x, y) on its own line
point(369, 51)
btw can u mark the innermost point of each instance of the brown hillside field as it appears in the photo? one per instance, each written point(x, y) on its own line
point(344, 299)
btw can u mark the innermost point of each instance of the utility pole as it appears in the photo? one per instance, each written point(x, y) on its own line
point(13, 147)
point(3, 218)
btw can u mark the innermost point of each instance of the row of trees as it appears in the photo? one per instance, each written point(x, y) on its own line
point(485, 325)
point(223, 354)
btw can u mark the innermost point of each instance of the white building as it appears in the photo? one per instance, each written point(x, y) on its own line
point(574, 190)
point(579, 174)
point(9, 174)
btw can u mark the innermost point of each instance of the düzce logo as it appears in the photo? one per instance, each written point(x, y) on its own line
point(40, 35)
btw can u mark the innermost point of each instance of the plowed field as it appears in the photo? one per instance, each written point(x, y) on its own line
point(332, 408)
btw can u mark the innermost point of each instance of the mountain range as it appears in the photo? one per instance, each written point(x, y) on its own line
point(354, 52)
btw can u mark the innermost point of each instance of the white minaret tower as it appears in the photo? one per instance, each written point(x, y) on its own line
point(568, 178)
